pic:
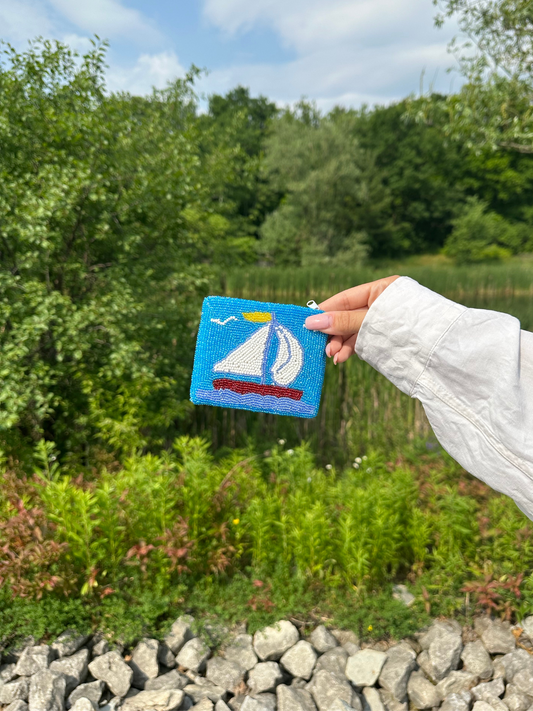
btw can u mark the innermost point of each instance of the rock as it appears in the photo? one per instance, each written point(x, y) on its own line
point(476, 660)
point(455, 683)
point(339, 705)
point(251, 704)
point(144, 662)
point(265, 676)
point(92, 691)
point(74, 668)
point(47, 691)
point(242, 652)
point(495, 635)
point(68, 642)
point(364, 667)
point(438, 630)
point(172, 680)
point(445, 653)
point(400, 662)
point(186, 704)
point(527, 626)
point(401, 593)
point(101, 647)
point(271, 643)
point(207, 690)
point(333, 661)
point(221, 706)
point(291, 699)
point(482, 706)
point(15, 691)
point(18, 705)
point(422, 694)
point(268, 700)
point(345, 636)
point(112, 669)
point(424, 664)
point(7, 673)
point(204, 705)
point(193, 655)
point(391, 703)
point(33, 660)
point(457, 702)
point(372, 699)
point(180, 633)
point(224, 673)
point(322, 639)
point(488, 690)
point(300, 660)
point(165, 656)
point(523, 680)
point(160, 700)
point(513, 663)
point(326, 687)
point(516, 699)
point(84, 704)
point(299, 683)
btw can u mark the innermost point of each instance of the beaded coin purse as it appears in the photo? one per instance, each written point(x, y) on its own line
point(252, 355)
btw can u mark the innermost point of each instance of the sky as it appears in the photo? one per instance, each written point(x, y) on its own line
point(334, 52)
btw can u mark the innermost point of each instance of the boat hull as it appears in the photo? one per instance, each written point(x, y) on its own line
point(244, 387)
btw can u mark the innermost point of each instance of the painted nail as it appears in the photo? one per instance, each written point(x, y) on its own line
point(335, 359)
point(318, 322)
point(328, 350)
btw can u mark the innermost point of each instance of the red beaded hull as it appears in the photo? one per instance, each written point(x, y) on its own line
point(243, 387)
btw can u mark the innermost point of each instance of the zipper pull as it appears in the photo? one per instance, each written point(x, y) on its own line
point(313, 305)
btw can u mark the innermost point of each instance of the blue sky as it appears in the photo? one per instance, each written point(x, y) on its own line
point(346, 52)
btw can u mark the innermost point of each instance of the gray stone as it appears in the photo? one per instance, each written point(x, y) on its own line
point(84, 704)
point(144, 662)
point(101, 647)
point(299, 683)
point(495, 635)
point(172, 680)
point(339, 705)
point(400, 662)
point(322, 639)
point(47, 691)
point(516, 699)
point(482, 706)
point(445, 653)
point(165, 656)
point(15, 690)
point(457, 702)
point(180, 633)
point(476, 660)
point(269, 700)
point(422, 694)
point(7, 673)
point(364, 667)
point(221, 706)
point(512, 663)
point(224, 673)
point(495, 704)
point(207, 690)
point(18, 705)
point(372, 700)
point(241, 651)
point(74, 668)
point(351, 648)
point(345, 636)
point(488, 690)
point(523, 680)
point(401, 593)
point(160, 700)
point(326, 687)
point(251, 704)
point(186, 704)
point(265, 676)
point(114, 671)
point(438, 630)
point(527, 626)
point(271, 643)
point(291, 699)
point(333, 661)
point(455, 683)
point(92, 691)
point(204, 705)
point(69, 642)
point(300, 660)
point(34, 659)
point(391, 703)
point(193, 655)
point(425, 664)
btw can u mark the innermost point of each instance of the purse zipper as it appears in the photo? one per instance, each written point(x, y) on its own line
point(312, 305)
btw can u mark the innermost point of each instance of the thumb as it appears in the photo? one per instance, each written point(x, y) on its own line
point(337, 323)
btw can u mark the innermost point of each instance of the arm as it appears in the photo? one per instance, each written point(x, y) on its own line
point(473, 372)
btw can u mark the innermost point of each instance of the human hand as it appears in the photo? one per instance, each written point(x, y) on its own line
point(344, 315)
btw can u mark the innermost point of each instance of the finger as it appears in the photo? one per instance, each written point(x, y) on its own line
point(337, 323)
point(347, 350)
point(334, 346)
point(358, 296)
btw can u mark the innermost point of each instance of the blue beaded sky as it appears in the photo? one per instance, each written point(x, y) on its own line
point(346, 52)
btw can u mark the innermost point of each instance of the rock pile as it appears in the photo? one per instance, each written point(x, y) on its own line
point(489, 668)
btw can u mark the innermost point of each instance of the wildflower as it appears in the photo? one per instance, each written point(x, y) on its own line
point(329, 467)
point(369, 470)
point(236, 521)
point(290, 452)
point(309, 480)
point(355, 465)
point(281, 442)
point(358, 460)
point(365, 458)
point(370, 628)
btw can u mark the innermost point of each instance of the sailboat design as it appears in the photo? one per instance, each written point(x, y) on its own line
point(251, 357)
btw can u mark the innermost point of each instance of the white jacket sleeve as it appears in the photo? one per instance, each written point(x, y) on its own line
point(473, 372)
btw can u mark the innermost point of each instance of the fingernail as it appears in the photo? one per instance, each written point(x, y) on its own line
point(328, 350)
point(335, 359)
point(318, 322)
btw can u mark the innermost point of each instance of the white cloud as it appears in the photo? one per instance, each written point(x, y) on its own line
point(150, 70)
point(21, 20)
